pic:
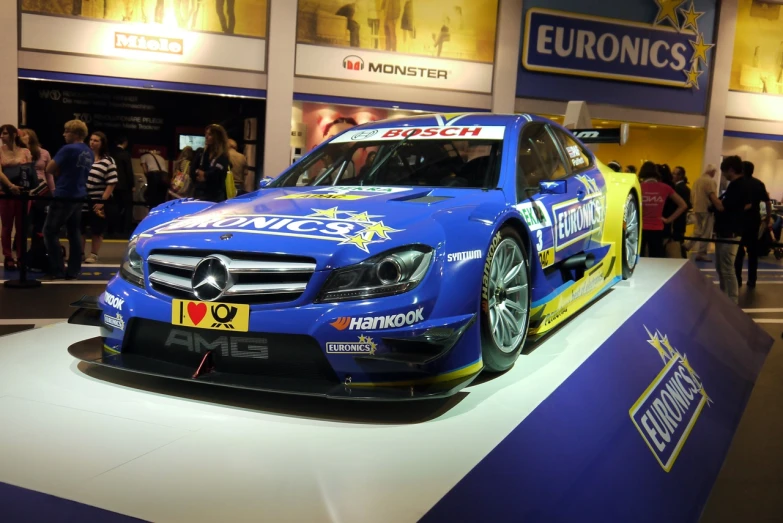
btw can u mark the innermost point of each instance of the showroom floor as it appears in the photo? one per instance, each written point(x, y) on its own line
point(95, 441)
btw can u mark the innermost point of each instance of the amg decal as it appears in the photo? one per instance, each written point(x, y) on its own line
point(228, 346)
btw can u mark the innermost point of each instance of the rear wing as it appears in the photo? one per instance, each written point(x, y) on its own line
point(617, 135)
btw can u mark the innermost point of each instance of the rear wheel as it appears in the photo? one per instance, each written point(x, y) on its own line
point(631, 238)
point(505, 301)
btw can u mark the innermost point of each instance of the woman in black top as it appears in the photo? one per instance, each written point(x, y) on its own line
point(209, 167)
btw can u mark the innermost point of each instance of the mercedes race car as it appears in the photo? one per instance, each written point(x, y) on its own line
point(397, 260)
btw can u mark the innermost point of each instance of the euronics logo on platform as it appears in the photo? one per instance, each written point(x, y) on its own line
point(669, 50)
point(667, 411)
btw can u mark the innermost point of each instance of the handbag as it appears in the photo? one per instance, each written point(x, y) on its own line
point(231, 189)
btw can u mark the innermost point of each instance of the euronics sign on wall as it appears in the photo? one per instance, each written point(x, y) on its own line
point(668, 51)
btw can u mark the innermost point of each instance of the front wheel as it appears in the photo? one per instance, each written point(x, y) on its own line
point(631, 238)
point(505, 301)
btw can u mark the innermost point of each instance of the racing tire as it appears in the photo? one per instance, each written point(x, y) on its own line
point(631, 235)
point(505, 301)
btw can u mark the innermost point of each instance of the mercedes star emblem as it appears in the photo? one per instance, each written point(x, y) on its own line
point(211, 279)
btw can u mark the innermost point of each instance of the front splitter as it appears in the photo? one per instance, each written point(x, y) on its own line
point(91, 351)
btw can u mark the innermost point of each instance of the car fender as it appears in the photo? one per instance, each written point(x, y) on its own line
point(618, 187)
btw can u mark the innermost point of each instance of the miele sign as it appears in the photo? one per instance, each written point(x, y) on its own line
point(148, 43)
point(391, 68)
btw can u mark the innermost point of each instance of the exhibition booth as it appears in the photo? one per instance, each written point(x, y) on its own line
point(623, 404)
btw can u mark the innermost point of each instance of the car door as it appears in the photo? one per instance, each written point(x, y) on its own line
point(590, 194)
point(540, 159)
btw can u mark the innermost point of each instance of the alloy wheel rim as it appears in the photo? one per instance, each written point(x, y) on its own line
point(508, 296)
point(631, 226)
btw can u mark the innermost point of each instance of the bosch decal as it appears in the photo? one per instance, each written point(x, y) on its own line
point(667, 411)
point(390, 321)
point(432, 133)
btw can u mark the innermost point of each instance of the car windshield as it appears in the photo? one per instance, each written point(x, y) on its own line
point(406, 161)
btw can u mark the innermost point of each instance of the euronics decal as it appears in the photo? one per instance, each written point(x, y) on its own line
point(359, 229)
point(670, 50)
point(390, 321)
point(115, 322)
point(365, 345)
point(666, 412)
point(577, 219)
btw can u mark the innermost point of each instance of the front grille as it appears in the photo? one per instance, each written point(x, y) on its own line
point(258, 278)
point(253, 353)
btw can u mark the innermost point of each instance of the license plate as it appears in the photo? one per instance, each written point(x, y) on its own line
point(211, 315)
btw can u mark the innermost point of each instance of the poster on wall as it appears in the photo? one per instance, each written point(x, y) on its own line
point(757, 64)
point(651, 54)
point(226, 34)
point(441, 44)
point(322, 121)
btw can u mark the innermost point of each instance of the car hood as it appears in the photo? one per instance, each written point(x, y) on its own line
point(334, 225)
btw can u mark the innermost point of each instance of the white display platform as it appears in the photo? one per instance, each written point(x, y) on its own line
point(163, 450)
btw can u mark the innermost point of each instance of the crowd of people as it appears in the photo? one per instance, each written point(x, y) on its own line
point(728, 214)
point(86, 181)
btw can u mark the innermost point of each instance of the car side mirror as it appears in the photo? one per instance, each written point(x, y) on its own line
point(264, 182)
point(553, 187)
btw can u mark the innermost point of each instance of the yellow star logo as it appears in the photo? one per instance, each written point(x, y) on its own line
point(691, 17)
point(379, 229)
point(656, 342)
point(665, 342)
point(667, 10)
point(368, 340)
point(700, 49)
point(357, 240)
point(326, 213)
point(693, 77)
point(362, 217)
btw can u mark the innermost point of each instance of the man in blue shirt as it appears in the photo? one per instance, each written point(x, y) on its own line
point(70, 167)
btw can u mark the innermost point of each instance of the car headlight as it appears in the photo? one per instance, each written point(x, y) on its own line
point(386, 274)
point(131, 269)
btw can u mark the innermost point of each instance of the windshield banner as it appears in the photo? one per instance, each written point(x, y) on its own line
point(473, 132)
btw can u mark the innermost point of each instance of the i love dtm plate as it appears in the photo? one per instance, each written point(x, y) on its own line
point(211, 315)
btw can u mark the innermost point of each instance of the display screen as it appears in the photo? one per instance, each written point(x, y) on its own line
point(193, 140)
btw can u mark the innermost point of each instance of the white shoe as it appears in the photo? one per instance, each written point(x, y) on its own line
point(91, 258)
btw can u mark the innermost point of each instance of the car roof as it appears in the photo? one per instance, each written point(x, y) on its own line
point(454, 119)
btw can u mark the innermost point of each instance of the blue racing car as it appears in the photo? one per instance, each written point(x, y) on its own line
point(398, 260)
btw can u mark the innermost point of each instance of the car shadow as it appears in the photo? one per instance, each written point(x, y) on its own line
point(404, 412)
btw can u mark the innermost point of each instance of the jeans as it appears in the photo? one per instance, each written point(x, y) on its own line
point(652, 241)
point(725, 254)
point(68, 215)
point(702, 229)
point(11, 218)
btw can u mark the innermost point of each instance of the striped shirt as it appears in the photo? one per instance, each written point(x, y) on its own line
point(102, 174)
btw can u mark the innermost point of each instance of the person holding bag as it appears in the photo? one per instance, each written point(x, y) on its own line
point(209, 168)
point(13, 157)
